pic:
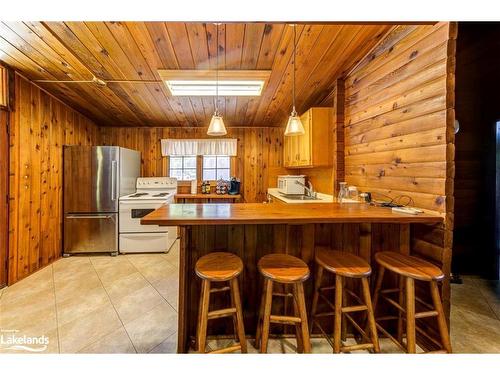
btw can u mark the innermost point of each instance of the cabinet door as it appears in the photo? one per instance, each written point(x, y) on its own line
point(287, 152)
point(304, 141)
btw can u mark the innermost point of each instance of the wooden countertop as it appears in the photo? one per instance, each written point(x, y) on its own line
point(207, 196)
point(260, 213)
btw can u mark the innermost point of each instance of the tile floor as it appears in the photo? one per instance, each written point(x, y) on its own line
point(128, 304)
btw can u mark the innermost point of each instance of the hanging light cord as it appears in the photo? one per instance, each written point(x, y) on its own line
point(294, 112)
point(217, 72)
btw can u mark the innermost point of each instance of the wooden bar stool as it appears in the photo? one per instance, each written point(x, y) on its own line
point(217, 267)
point(409, 269)
point(344, 265)
point(285, 269)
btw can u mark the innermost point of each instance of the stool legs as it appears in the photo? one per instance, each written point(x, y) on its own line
point(338, 314)
point(371, 315)
point(299, 293)
point(443, 328)
point(298, 328)
point(235, 293)
point(410, 316)
point(203, 316)
point(317, 286)
point(201, 338)
point(401, 297)
point(266, 318)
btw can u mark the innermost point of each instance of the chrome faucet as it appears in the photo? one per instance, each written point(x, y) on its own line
point(309, 189)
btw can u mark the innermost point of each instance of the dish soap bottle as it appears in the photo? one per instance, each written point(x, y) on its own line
point(342, 192)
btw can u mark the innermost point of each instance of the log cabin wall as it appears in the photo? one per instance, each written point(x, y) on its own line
point(258, 163)
point(40, 126)
point(399, 139)
point(4, 185)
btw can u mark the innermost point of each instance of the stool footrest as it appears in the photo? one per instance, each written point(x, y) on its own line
point(221, 313)
point(285, 319)
point(426, 314)
point(394, 303)
point(349, 309)
point(388, 291)
point(229, 349)
point(218, 290)
point(357, 347)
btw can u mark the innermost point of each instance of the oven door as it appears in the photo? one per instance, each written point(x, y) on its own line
point(131, 213)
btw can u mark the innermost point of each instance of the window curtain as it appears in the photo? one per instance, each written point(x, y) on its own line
point(177, 147)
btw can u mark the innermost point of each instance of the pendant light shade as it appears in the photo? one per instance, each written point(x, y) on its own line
point(294, 125)
point(216, 127)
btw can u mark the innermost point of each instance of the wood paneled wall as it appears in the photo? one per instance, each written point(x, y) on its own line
point(258, 163)
point(399, 139)
point(4, 188)
point(40, 126)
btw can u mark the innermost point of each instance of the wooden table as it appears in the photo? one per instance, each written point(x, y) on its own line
point(208, 198)
point(251, 230)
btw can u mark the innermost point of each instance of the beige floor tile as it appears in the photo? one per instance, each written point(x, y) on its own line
point(137, 303)
point(31, 288)
point(153, 328)
point(125, 285)
point(71, 263)
point(80, 333)
point(76, 286)
point(157, 270)
point(81, 305)
point(116, 342)
point(169, 346)
point(474, 333)
point(465, 296)
point(144, 260)
point(168, 287)
point(114, 270)
point(173, 255)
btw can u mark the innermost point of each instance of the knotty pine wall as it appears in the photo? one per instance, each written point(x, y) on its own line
point(399, 139)
point(258, 163)
point(40, 126)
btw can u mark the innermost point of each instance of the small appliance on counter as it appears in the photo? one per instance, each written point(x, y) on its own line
point(287, 184)
point(234, 186)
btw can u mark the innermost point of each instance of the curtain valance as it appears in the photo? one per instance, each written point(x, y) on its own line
point(225, 146)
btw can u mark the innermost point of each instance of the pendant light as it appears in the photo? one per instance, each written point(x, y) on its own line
point(217, 127)
point(294, 125)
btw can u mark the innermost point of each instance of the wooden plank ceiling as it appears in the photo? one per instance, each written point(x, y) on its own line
point(136, 50)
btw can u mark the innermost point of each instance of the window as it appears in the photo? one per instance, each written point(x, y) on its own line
point(216, 167)
point(183, 167)
point(3, 87)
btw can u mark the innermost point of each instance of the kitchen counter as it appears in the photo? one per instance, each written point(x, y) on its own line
point(260, 213)
point(251, 230)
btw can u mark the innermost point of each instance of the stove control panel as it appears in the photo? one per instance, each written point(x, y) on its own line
point(156, 183)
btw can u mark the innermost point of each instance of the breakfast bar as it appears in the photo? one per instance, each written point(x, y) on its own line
point(252, 230)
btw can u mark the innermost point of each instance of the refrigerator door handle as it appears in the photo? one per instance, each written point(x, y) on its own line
point(113, 179)
point(84, 216)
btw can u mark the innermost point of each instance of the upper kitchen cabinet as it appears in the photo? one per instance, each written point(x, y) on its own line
point(312, 149)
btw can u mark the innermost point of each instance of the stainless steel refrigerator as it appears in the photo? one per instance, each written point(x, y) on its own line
point(94, 178)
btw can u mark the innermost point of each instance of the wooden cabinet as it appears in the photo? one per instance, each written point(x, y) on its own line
point(312, 149)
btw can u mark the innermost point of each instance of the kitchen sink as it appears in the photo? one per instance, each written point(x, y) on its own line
point(301, 198)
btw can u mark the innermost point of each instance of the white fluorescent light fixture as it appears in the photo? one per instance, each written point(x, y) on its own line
point(207, 88)
point(201, 82)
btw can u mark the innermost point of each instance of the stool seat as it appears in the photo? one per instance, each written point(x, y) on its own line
point(409, 266)
point(219, 266)
point(283, 268)
point(342, 263)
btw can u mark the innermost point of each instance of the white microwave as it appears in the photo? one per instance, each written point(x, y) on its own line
point(288, 184)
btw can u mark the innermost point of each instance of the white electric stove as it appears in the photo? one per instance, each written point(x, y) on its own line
point(151, 193)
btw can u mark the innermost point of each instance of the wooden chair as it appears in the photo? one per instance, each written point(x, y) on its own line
point(344, 265)
point(220, 267)
point(410, 268)
point(288, 270)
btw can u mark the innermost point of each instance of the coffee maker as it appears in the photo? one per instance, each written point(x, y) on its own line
point(234, 186)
